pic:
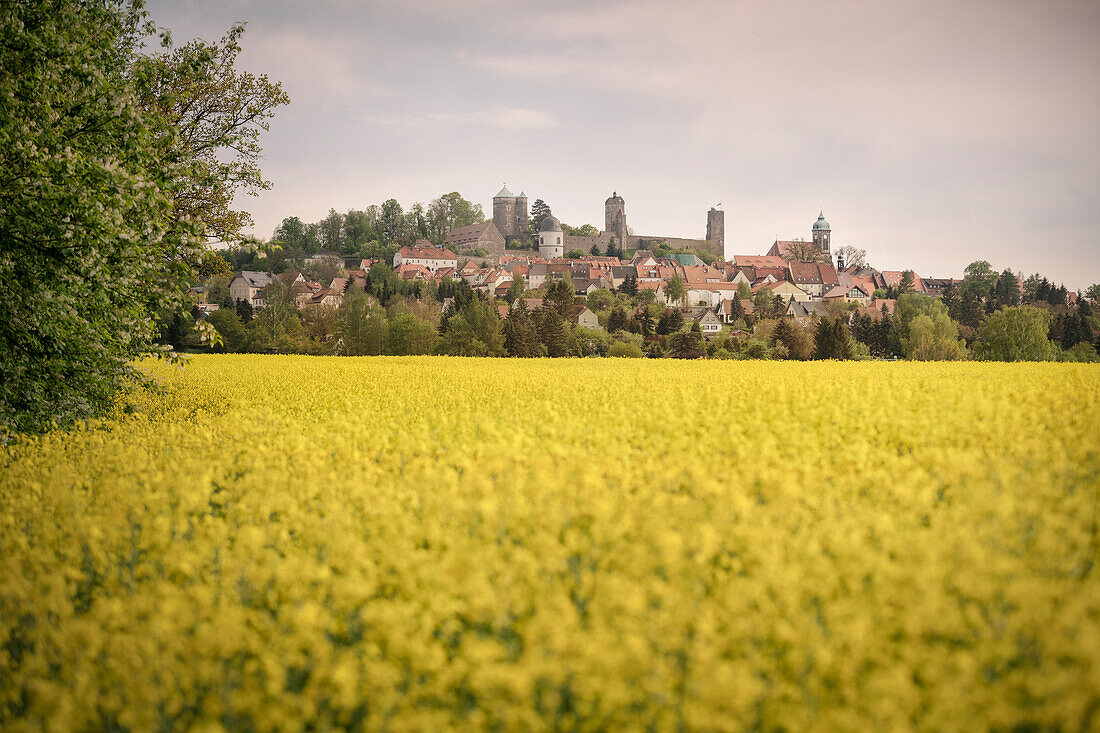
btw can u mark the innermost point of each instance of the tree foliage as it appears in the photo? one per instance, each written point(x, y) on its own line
point(91, 238)
point(1017, 333)
point(217, 113)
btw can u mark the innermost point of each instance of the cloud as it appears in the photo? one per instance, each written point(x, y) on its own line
point(320, 70)
point(508, 119)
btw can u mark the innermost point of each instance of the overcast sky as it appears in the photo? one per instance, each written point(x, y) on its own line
point(930, 134)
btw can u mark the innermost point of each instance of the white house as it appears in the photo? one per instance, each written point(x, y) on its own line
point(708, 321)
point(428, 256)
point(247, 287)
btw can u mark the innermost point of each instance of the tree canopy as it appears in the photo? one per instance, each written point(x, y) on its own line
point(116, 165)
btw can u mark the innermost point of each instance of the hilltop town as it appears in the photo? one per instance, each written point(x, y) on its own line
point(609, 290)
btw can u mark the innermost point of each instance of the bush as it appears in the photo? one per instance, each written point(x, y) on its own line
point(625, 350)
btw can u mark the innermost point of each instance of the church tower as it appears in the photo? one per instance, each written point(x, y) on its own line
point(821, 235)
point(614, 217)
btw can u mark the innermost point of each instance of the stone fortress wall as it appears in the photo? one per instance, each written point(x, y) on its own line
point(513, 209)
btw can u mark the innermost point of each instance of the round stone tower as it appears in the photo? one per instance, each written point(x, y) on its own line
point(521, 215)
point(821, 234)
point(504, 212)
point(614, 217)
point(551, 238)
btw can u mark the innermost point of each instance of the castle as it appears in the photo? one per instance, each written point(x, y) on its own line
point(510, 217)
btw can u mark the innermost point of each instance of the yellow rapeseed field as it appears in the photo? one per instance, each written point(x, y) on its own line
point(418, 544)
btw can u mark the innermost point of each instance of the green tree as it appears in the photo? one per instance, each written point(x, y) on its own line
point(515, 290)
point(216, 114)
point(1006, 290)
point(934, 338)
point(332, 231)
point(625, 350)
point(391, 221)
point(575, 254)
point(228, 325)
point(676, 289)
point(553, 331)
point(978, 277)
point(616, 320)
point(91, 241)
point(1017, 333)
point(359, 230)
point(906, 284)
point(687, 344)
point(407, 335)
point(539, 211)
point(793, 337)
point(520, 335)
point(938, 341)
point(1093, 292)
point(451, 211)
point(832, 340)
point(475, 330)
point(360, 326)
point(560, 297)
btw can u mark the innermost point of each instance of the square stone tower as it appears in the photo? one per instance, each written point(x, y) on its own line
point(716, 230)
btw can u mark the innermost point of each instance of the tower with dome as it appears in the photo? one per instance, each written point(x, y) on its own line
point(551, 238)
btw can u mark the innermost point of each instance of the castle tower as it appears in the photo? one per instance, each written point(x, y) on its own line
point(821, 234)
point(716, 230)
point(551, 238)
point(521, 214)
point(504, 212)
point(614, 217)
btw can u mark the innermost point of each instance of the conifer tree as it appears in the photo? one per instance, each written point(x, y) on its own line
point(616, 320)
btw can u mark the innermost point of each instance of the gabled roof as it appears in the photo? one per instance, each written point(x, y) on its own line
point(760, 261)
point(255, 279)
point(804, 309)
point(427, 253)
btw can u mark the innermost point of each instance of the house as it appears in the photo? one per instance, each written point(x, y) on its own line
point(643, 258)
point(848, 294)
point(758, 266)
point(658, 289)
point(583, 316)
point(621, 273)
point(804, 311)
point(338, 284)
point(724, 311)
point(893, 279)
point(816, 278)
point(875, 307)
point(531, 304)
point(326, 297)
point(788, 291)
point(483, 236)
point(789, 249)
point(708, 321)
point(409, 271)
point(248, 285)
point(427, 255)
point(935, 286)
